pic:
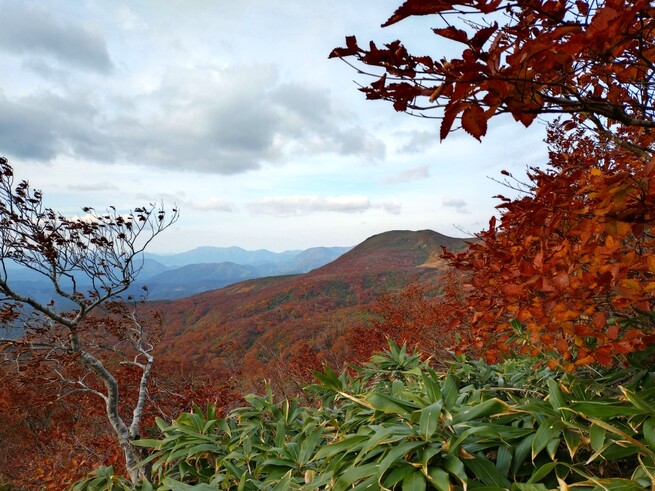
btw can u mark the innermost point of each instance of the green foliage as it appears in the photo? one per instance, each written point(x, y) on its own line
point(398, 424)
point(104, 479)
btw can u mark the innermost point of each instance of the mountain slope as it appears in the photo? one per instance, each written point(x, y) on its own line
point(251, 324)
point(197, 278)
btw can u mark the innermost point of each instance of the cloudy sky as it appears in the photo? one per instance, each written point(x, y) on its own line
point(232, 110)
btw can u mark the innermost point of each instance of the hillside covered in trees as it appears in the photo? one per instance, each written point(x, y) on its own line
point(522, 361)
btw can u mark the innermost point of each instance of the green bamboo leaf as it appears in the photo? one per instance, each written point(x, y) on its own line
point(649, 432)
point(521, 452)
point(280, 433)
point(395, 454)
point(427, 453)
point(552, 447)
point(542, 472)
point(328, 379)
point(555, 396)
point(573, 440)
point(622, 450)
point(456, 468)
point(169, 483)
point(637, 401)
point(367, 485)
point(148, 443)
point(279, 463)
point(354, 474)
point(432, 386)
point(383, 435)
point(597, 437)
point(396, 475)
point(456, 441)
point(414, 481)
point(449, 392)
point(429, 421)
point(350, 443)
point(617, 484)
point(486, 472)
point(203, 447)
point(602, 410)
point(624, 436)
point(309, 444)
point(161, 424)
point(439, 478)
point(397, 386)
point(520, 486)
point(390, 404)
point(504, 459)
point(284, 483)
point(482, 410)
point(547, 431)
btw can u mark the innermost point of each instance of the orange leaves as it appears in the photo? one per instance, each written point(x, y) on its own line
point(544, 56)
point(561, 281)
point(562, 267)
point(600, 320)
point(452, 33)
point(511, 290)
point(417, 7)
point(474, 121)
point(579, 251)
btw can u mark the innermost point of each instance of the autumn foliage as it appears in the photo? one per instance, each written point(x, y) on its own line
point(524, 58)
point(567, 270)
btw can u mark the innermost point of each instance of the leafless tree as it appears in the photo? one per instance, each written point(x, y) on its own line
point(89, 261)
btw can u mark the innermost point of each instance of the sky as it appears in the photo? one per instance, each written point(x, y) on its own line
point(232, 111)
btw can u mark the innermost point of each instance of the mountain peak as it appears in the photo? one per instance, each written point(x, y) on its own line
point(396, 249)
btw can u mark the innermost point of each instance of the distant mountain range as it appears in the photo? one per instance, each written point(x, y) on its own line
point(251, 324)
point(195, 271)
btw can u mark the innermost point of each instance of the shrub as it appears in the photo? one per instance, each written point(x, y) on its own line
point(395, 423)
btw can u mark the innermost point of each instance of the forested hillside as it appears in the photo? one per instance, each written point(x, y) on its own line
point(218, 345)
point(522, 360)
point(262, 323)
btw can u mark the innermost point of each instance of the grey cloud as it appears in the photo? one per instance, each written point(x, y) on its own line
point(414, 174)
point(419, 141)
point(393, 208)
point(43, 126)
point(46, 70)
point(32, 30)
point(459, 205)
point(24, 132)
point(223, 121)
point(358, 142)
point(311, 113)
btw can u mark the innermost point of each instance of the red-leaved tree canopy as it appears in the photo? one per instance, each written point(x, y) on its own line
point(568, 269)
point(524, 58)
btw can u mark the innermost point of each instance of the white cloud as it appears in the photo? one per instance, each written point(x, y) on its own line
point(298, 205)
point(212, 205)
point(93, 186)
point(182, 202)
point(414, 174)
point(459, 205)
